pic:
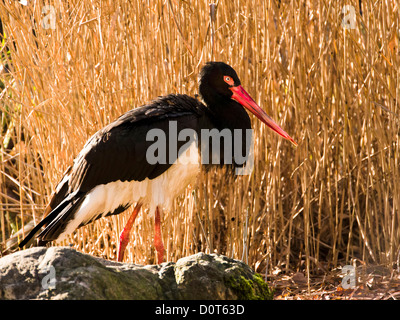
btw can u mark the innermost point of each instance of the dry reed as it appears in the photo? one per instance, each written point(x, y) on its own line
point(332, 199)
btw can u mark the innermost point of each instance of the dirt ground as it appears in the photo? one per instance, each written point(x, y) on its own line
point(367, 283)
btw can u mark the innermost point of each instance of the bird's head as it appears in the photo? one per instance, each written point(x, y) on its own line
point(219, 81)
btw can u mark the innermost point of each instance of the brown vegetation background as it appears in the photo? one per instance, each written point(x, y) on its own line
point(333, 199)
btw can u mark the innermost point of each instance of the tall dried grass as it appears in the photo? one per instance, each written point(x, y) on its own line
point(336, 91)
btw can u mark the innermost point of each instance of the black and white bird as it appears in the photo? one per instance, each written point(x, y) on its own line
point(124, 163)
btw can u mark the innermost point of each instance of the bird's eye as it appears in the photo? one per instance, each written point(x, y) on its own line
point(228, 80)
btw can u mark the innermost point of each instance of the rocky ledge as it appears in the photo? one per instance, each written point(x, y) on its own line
point(64, 273)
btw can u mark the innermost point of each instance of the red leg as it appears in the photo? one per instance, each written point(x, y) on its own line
point(158, 242)
point(124, 236)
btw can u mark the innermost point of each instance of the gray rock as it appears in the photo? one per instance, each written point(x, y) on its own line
point(64, 273)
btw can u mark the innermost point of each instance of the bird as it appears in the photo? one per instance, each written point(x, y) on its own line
point(149, 155)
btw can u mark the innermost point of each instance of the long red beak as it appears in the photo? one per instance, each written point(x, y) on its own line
point(241, 96)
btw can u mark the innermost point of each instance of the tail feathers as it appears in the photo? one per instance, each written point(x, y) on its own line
point(56, 221)
point(58, 225)
point(13, 241)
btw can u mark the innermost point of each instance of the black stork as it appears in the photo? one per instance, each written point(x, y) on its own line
point(114, 170)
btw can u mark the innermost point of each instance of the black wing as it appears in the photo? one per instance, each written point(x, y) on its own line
point(118, 151)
